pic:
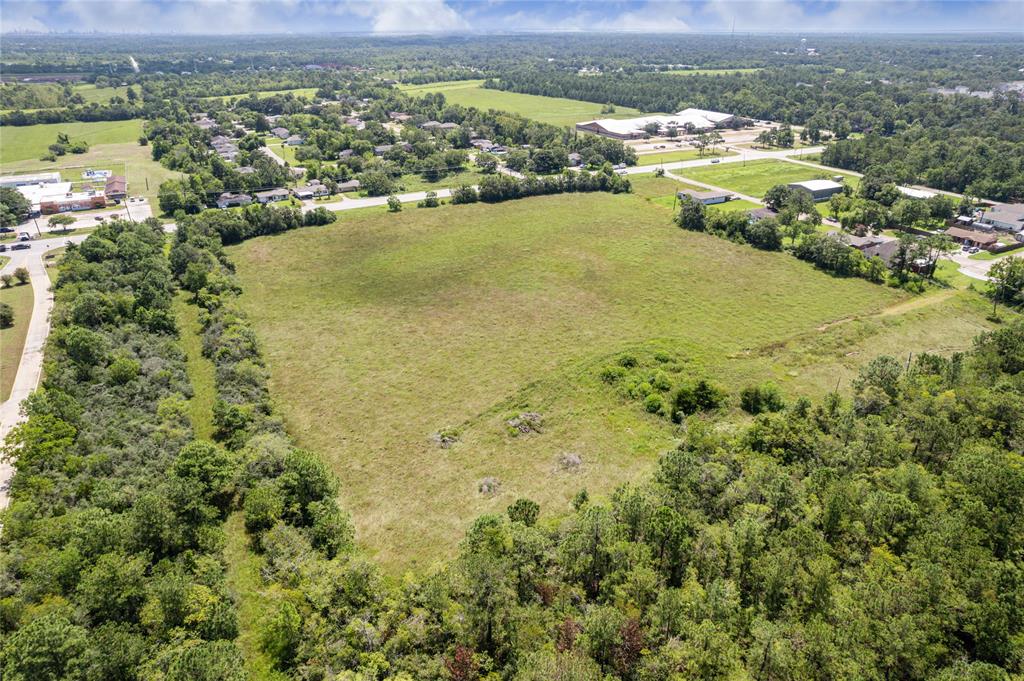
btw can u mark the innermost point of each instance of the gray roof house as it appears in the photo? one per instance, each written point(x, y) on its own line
point(349, 186)
point(1005, 216)
point(229, 199)
point(271, 195)
point(280, 132)
point(295, 140)
point(707, 198)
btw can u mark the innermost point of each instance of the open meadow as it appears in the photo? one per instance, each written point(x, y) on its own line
point(687, 154)
point(757, 177)
point(553, 110)
point(384, 329)
point(22, 143)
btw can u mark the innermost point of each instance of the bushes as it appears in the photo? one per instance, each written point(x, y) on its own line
point(6, 316)
point(465, 194)
point(755, 399)
point(697, 397)
point(497, 188)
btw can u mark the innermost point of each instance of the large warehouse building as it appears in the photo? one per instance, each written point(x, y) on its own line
point(635, 128)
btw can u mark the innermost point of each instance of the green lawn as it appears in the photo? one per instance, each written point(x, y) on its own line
point(12, 340)
point(735, 206)
point(754, 178)
point(388, 327)
point(283, 150)
point(25, 142)
point(416, 183)
point(678, 155)
point(126, 158)
point(90, 93)
point(553, 110)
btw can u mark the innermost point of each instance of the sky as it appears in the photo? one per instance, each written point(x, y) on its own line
point(507, 16)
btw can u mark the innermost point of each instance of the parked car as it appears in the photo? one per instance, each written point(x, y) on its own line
point(21, 246)
point(3, 248)
point(99, 218)
point(975, 250)
point(24, 236)
point(716, 160)
point(6, 230)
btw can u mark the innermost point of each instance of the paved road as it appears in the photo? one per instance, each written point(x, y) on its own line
point(139, 210)
point(31, 366)
point(267, 151)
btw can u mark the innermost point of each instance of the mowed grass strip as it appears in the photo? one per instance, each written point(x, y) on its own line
point(756, 177)
point(382, 330)
point(678, 155)
point(23, 142)
point(553, 110)
point(12, 340)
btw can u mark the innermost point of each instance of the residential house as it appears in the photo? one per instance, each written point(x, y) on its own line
point(229, 199)
point(312, 190)
point(280, 132)
point(708, 198)
point(399, 117)
point(116, 188)
point(1005, 216)
point(382, 149)
point(246, 170)
point(345, 153)
point(448, 126)
point(761, 214)
point(575, 160)
point(295, 140)
point(271, 195)
point(885, 250)
point(969, 237)
point(349, 186)
point(430, 125)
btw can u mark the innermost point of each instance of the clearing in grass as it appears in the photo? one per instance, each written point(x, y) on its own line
point(553, 110)
point(387, 329)
point(678, 155)
point(754, 178)
point(24, 142)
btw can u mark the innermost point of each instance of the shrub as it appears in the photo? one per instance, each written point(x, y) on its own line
point(629, 361)
point(464, 194)
point(8, 280)
point(697, 397)
point(523, 511)
point(22, 275)
point(123, 370)
point(429, 202)
point(6, 316)
point(394, 204)
point(659, 380)
point(653, 404)
point(263, 507)
point(318, 216)
point(613, 374)
point(756, 399)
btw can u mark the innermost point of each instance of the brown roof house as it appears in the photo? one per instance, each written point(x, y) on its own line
point(116, 188)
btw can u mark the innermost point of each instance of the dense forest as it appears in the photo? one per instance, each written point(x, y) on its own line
point(870, 536)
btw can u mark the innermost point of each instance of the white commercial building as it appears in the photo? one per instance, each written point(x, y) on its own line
point(634, 128)
point(24, 180)
point(818, 189)
point(38, 193)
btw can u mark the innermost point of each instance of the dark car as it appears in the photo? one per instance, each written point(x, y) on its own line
point(3, 248)
point(22, 246)
point(6, 230)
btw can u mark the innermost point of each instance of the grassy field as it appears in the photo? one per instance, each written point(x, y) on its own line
point(387, 328)
point(708, 72)
point(127, 158)
point(307, 92)
point(553, 110)
point(21, 143)
point(734, 206)
point(677, 155)
point(12, 340)
point(756, 177)
point(283, 150)
point(416, 183)
point(101, 95)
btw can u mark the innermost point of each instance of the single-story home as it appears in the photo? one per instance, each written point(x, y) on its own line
point(761, 214)
point(349, 186)
point(481, 143)
point(820, 190)
point(448, 125)
point(382, 149)
point(280, 132)
point(859, 242)
point(575, 160)
point(246, 170)
point(1005, 216)
point(431, 125)
point(399, 117)
point(885, 250)
point(295, 140)
point(229, 199)
point(271, 195)
point(708, 198)
point(345, 153)
point(969, 237)
point(116, 188)
point(311, 191)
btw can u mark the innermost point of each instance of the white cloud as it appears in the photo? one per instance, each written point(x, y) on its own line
point(416, 16)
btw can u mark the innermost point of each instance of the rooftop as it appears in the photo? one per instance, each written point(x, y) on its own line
point(816, 185)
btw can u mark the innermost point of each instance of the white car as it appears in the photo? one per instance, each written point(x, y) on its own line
point(24, 236)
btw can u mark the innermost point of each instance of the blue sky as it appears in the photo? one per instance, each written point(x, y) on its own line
point(480, 16)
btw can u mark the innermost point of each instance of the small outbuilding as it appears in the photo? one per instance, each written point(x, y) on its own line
point(820, 190)
point(708, 198)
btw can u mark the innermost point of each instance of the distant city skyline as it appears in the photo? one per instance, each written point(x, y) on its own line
point(505, 16)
